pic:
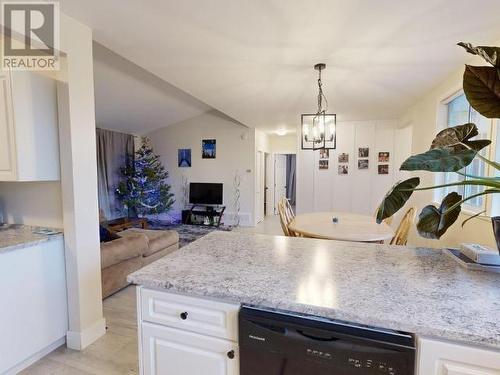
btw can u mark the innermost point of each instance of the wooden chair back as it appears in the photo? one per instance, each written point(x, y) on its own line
point(401, 236)
point(283, 221)
point(286, 216)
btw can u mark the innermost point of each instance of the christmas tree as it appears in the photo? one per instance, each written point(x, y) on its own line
point(144, 190)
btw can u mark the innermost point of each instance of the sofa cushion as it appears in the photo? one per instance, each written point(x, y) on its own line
point(157, 239)
point(119, 250)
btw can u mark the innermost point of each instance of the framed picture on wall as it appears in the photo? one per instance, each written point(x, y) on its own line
point(363, 164)
point(343, 169)
point(383, 157)
point(184, 157)
point(324, 153)
point(363, 152)
point(208, 148)
point(343, 158)
point(323, 164)
point(383, 169)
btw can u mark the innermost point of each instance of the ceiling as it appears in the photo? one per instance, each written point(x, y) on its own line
point(253, 59)
point(132, 100)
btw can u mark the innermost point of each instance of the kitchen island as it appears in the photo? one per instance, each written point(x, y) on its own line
point(415, 290)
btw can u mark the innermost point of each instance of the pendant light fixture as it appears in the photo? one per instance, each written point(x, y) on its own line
point(318, 130)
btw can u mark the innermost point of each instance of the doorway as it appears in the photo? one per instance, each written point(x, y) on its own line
point(284, 179)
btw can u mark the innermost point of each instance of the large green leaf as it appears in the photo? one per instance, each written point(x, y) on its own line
point(490, 54)
point(482, 89)
point(396, 198)
point(439, 160)
point(454, 138)
point(433, 222)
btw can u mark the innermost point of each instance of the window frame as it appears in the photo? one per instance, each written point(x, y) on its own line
point(442, 123)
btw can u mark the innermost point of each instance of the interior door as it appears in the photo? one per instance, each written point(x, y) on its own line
point(259, 188)
point(269, 185)
point(170, 351)
point(279, 179)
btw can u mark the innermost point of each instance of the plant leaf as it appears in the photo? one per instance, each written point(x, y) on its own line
point(482, 89)
point(490, 54)
point(439, 160)
point(454, 138)
point(433, 222)
point(396, 198)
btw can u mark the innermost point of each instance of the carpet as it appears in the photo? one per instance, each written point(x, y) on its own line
point(187, 233)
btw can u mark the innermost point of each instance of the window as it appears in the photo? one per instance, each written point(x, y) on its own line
point(458, 112)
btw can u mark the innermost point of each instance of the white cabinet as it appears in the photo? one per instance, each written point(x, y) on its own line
point(191, 314)
point(29, 138)
point(171, 351)
point(442, 358)
point(182, 335)
point(33, 306)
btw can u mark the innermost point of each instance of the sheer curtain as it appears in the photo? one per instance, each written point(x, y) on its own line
point(114, 150)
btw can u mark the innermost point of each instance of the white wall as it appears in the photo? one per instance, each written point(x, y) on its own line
point(361, 190)
point(285, 144)
point(235, 154)
point(31, 203)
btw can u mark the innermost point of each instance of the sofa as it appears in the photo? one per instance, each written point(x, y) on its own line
point(133, 249)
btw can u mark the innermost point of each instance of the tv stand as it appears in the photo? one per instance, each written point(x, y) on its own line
point(213, 212)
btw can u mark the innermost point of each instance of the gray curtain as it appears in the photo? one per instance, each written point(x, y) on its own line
point(290, 178)
point(114, 150)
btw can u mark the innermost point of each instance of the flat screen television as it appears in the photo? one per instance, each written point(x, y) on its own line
point(205, 193)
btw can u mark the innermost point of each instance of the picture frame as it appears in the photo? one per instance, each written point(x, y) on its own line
point(383, 157)
point(343, 158)
point(208, 149)
point(363, 152)
point(363, 164)
point(184, 158)
point(383, 169)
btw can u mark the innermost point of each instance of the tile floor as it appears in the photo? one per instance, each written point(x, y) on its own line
point(116, 352)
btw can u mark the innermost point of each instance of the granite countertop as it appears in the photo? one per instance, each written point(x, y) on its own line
point(18, 236)
point(416, 290)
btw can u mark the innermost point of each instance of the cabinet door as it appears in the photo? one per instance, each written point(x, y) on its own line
point(170, 351)
point(7, 137)
point(442, 358)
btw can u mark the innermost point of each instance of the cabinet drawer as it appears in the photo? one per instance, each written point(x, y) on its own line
point(197, 315)
point(170, 351)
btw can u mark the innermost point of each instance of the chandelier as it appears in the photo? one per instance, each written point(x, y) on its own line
point(318, 130)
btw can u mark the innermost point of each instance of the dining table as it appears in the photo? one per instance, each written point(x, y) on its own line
point(341, 226)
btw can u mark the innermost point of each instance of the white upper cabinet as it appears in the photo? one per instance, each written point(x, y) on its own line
point(29, 138)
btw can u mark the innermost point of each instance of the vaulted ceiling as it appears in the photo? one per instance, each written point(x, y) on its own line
point(253, 59)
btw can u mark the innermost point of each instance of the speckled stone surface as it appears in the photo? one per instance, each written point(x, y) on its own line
point(17, 236)
point(410, 289)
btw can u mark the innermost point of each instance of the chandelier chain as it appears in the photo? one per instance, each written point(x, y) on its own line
point(321, 96)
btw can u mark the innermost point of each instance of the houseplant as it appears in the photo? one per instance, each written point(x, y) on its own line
point(144, 189)
point(452, 150)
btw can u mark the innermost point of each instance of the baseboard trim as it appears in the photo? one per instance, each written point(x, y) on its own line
point(16, 369)
point(79, 340)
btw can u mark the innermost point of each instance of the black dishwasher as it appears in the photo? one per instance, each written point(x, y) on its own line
point(280, 343)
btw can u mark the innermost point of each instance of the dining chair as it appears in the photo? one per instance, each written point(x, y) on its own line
point(401, 236)
point(283, 220)
point(289, 209)
point(286, 216)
